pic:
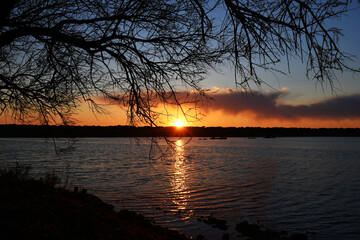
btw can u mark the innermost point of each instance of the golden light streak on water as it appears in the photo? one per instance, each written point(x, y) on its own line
point(181, 194)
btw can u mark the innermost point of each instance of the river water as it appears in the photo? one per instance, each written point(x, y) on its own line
point(294, 184)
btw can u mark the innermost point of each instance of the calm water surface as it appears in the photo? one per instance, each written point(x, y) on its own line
point(292, 184)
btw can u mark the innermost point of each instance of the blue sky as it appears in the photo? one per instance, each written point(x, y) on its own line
point(301, 89)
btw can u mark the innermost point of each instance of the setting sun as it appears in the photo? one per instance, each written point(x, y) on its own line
point(179, 123)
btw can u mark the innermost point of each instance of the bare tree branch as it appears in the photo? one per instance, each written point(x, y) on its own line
point(57, 54)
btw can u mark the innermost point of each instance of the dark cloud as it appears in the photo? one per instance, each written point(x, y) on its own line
point(268, 106)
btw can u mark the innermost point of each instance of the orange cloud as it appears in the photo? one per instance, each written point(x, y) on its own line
point(228, 107)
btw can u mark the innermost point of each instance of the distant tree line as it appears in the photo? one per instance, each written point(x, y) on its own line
point(201, 132)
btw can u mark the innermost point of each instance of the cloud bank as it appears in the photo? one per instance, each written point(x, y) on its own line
point(269, 106)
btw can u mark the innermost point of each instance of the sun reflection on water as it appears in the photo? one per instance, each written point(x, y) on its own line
point(181, 193)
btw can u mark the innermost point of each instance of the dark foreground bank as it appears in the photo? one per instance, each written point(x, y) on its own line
point(35, 209)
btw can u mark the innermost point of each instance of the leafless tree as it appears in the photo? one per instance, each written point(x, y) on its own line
point(57, 54)
point(266, 32)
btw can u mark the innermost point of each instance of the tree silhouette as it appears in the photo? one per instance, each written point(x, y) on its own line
point(57, 54)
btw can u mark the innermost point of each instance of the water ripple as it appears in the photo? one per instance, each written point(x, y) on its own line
point(292, 184)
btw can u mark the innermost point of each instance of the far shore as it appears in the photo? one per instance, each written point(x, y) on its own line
point(50, 131)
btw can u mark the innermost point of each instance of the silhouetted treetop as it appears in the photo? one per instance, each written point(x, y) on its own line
point(57, 54)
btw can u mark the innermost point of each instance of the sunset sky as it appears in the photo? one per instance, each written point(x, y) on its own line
point(291, 101)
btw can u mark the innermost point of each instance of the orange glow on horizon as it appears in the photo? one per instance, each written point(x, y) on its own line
point(117, 116)
point(211, 120)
